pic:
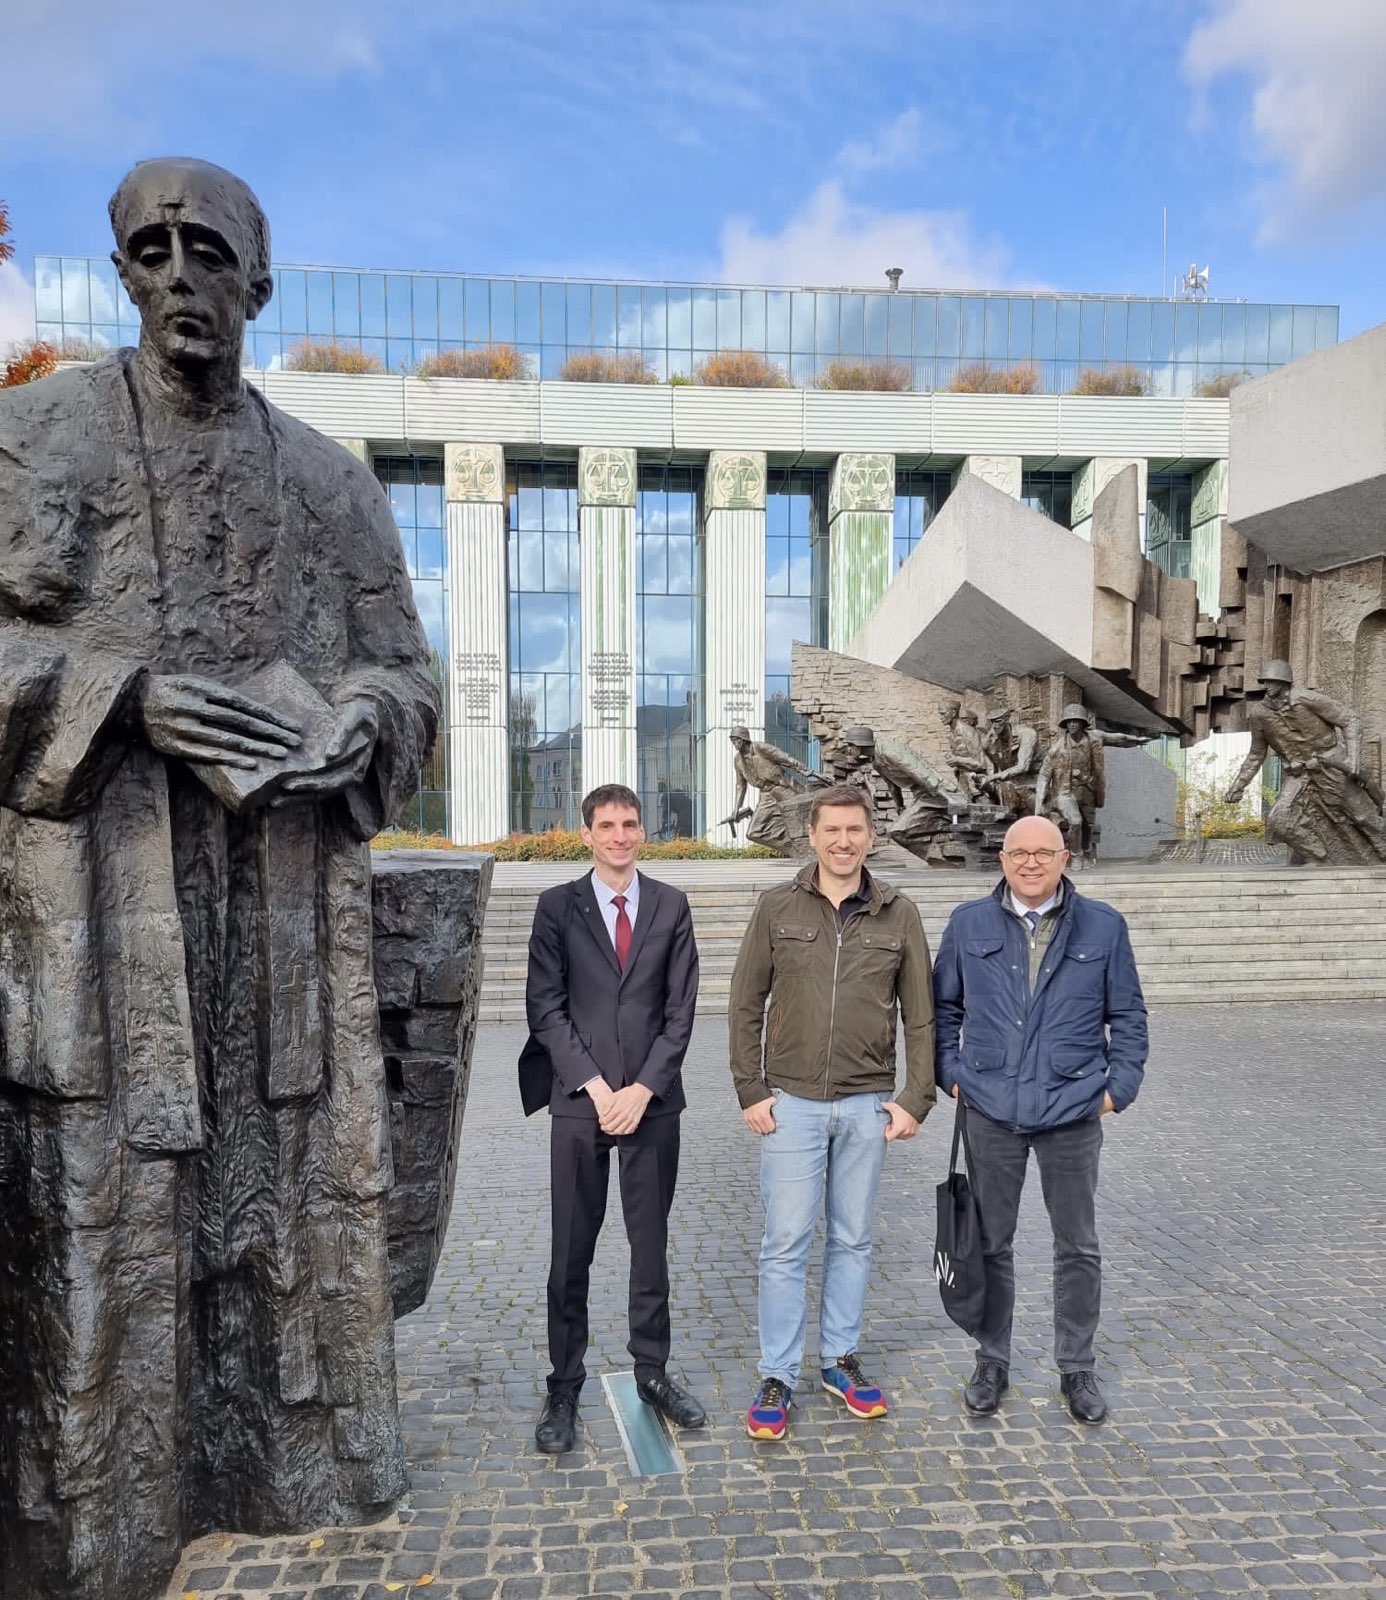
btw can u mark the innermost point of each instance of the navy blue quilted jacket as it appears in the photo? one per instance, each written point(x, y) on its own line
point(1038, 1061)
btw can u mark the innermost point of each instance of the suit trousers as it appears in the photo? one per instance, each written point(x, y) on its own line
point(579, 1171)
point(1068, 1161)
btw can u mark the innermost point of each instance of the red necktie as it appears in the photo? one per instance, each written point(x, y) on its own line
point(623, 931)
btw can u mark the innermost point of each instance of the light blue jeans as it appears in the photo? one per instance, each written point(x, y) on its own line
point(817, 1145)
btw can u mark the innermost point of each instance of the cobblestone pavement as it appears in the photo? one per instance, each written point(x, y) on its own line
point(1243, 1211)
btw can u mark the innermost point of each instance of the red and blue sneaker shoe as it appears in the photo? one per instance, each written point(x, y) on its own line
point(856, 1391)
point(768, 1417)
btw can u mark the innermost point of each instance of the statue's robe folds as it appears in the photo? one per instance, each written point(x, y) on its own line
point(195, 1318)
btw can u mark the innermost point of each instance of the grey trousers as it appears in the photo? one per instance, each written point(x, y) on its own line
point(1068, 1159)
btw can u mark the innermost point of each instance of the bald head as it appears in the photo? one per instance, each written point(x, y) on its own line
point(1033, 833)
point(184, 190)
point(1033, 859)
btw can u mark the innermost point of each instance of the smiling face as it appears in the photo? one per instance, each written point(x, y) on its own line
point(840, 838)
point(190, 242)
point(1033, 881)
point(614, 837)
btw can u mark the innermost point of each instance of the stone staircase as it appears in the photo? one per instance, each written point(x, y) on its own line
point(1200, 934)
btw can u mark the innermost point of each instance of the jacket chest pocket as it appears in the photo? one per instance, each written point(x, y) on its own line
point(795, 946)
point(1084, 968)
point(878, 955)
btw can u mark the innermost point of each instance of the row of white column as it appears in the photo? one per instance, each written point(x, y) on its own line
point(861, 538)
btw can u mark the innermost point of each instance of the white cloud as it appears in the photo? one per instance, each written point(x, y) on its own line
point(893, 146)
point(1318, 108)
point(834, 239)
point(70, 54)
point(16, 307)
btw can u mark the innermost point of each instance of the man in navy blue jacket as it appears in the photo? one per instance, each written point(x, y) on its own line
point(1041, 1033)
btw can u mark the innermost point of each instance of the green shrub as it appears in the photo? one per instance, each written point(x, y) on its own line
point(560, 844)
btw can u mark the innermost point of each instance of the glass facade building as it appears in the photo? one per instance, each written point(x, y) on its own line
point(402, 318)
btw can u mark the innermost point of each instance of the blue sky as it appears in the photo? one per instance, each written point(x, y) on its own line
point(995, 143)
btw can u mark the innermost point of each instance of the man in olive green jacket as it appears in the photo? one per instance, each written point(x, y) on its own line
point(836, 953)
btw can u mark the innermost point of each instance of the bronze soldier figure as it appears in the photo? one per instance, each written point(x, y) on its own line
point(767, 768)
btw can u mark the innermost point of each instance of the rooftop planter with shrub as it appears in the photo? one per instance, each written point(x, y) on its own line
point(739, 369)
point(502, 363)
point(607, 366)
point(1118, 380)
point(561, 845)
point(329, 355)
point(891, 377)
point(979, 378)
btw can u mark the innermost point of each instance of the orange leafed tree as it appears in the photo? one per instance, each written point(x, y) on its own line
point(6, 247)
point(891, 376)
point(1122, 379)
point(739, 369)
point(607, 366)
point(26, 362)
point(329, 355)
point(978, 378)
point(500, 362)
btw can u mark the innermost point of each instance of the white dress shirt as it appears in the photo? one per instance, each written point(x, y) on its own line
point(606, 898)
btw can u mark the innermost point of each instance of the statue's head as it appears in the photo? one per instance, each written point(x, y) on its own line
point(1277, 679)
point(192, 249)
point(1074, 720)
point(859, 743)
point(948, 710)
point(740, 737)
point(1000, 718)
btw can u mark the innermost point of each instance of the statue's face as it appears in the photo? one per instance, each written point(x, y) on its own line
point(1277, 692)
point(947, 713)
point(178, 262)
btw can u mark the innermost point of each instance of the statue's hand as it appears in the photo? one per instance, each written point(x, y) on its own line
point(197, 719)
point(1233, 795)
point(346, 758)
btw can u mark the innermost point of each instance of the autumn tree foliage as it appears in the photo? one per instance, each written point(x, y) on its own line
point(329, 355)
point(878, 375)
point(25, 362)
point(6, 246)
point(979, 378)
point(607, 366)
point(500, 362)
point(1122, 379)
point(739, 369)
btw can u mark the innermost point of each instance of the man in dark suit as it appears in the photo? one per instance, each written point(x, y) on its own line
point(613, 979)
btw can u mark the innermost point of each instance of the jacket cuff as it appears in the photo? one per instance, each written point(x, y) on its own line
point(919, 1105)
point(753, 1093)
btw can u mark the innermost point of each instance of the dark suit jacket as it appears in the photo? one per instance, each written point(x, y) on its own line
point(587, 1017)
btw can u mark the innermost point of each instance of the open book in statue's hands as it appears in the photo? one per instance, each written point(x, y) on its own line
point(278, 688)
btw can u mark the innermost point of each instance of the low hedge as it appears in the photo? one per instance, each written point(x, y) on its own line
point(566, 845)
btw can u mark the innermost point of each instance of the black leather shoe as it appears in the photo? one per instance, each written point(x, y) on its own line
point(988, 1383)
point(1085, 1402)
point(670, 1401)
point(557, 1428)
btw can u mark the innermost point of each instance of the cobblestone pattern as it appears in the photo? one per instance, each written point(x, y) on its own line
point(1241, 1349)
point(1226, 853)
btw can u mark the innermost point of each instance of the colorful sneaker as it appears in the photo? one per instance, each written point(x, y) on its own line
point(768, 1417)
point(850, 1384)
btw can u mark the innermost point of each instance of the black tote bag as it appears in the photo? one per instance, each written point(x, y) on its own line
point(958, 1245)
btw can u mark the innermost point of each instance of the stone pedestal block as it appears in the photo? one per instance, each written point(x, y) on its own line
point(427, 909)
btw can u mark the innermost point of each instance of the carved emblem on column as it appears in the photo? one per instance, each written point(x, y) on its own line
point(1208, 497)
point(474, 472)
point(736, 480)
point(862, 483)
point(1002, 472)
point(1083, 493)
point(606, 477)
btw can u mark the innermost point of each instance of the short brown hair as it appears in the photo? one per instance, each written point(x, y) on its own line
point(609, 794)
point(843, 794)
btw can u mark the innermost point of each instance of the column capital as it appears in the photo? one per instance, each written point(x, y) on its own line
point(474, 473)
point(1090, 478)
point(861, 483)
point(606, 477)
point(1002, 472)
point(735, 481)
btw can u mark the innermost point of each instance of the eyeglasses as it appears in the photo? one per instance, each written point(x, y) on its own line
point(1018, 858)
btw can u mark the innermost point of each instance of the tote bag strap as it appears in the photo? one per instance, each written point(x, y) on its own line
point(960, 1136)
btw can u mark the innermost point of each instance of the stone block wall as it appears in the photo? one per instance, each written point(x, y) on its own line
point(428, 910)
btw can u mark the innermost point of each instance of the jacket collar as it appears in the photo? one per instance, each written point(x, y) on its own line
point(1069, 898)
point(882, 893)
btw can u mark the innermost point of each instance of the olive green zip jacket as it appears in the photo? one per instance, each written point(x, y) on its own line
point(834, 988)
